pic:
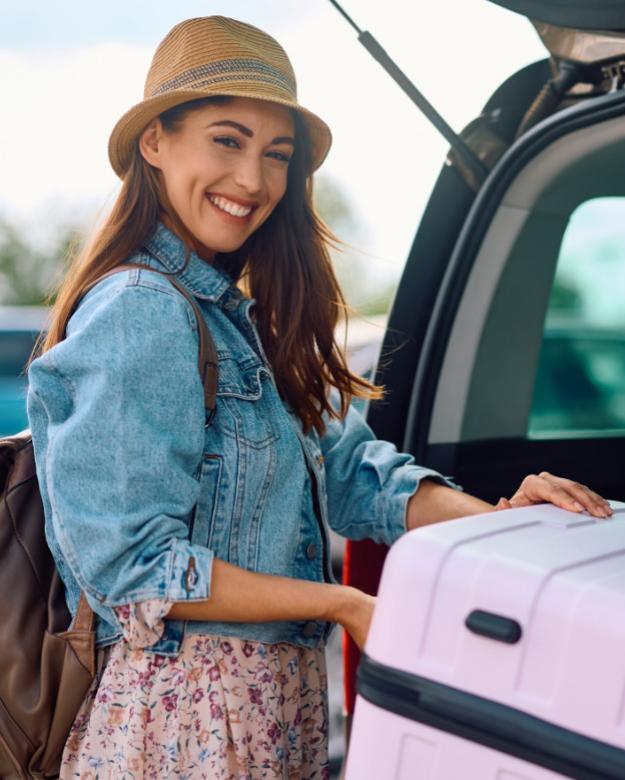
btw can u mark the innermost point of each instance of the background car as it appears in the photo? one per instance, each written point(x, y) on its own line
point(19, 328)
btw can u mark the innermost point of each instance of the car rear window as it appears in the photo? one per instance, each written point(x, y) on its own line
point(580, 382)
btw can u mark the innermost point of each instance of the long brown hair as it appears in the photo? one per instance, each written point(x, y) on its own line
point(285, 265)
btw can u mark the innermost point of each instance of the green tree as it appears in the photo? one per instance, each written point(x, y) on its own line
point(566, 297)
point(28, 274)
point(360, 284)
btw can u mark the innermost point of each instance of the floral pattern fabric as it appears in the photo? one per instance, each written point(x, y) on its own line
point(223, 709)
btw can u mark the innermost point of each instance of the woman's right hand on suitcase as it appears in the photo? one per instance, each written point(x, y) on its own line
point(355, 614)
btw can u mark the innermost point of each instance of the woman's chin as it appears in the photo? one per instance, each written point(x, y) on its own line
point(207, 247)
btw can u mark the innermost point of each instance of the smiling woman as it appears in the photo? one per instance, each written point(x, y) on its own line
point(197, 167)
point(216, 191)
point(200, 540)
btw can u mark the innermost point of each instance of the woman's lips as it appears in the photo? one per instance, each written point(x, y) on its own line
point(237, 210)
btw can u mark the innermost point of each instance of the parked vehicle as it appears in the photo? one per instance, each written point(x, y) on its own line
point(19, 328)
point(483, 383)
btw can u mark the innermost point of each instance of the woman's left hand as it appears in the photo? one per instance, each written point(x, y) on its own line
point(546, 488)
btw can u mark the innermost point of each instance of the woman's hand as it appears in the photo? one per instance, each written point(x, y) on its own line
point(355, 614)
point(433, 502)
point(545, 488)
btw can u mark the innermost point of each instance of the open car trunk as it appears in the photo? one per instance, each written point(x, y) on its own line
point(582, 14)
point(525, 126)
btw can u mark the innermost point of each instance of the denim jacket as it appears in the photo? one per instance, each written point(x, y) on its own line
point(139, 496)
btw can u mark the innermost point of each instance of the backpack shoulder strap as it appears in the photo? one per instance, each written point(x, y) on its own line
point(208, 364)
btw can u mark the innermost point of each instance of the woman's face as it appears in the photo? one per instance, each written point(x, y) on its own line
point(224, 169)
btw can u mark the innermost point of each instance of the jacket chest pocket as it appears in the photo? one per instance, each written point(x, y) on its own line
point(248, 422)
point(243, 412)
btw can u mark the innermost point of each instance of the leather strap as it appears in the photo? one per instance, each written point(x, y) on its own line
point(84, 619)
point(208, 363)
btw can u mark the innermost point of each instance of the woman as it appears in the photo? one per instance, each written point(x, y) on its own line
point(202, 545)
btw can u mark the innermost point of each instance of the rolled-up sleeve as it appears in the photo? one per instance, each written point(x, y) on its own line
point(368, 482)
point(121, 445)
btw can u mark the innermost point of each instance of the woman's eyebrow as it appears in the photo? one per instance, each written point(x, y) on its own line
point(281, 139)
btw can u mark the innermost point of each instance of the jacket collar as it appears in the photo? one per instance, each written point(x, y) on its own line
point(199, 277)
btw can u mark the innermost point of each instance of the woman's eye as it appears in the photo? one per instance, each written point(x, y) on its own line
point(279, 156)
point(228, 141)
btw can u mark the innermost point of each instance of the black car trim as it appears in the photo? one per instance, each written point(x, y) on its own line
point(488, 723)
point(579, 14)
point(436, 235)
point(491, 468)
point(480, 216)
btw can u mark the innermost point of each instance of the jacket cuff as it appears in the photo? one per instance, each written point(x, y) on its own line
point(395, 503)
point(190, 572)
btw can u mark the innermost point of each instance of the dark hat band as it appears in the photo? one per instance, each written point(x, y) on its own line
point(226, 70)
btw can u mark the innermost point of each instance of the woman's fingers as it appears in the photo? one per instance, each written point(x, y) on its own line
point(535, 490)
point(589, 500)
point(562, 492)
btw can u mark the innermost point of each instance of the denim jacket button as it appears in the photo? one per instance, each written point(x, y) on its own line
point(311, 551)
point(191, 576)
point(310, 629)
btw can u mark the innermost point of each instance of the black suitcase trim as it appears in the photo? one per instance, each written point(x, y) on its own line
point(490, 724)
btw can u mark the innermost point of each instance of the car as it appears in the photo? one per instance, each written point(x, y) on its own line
point(20, 327)
point(504, 352)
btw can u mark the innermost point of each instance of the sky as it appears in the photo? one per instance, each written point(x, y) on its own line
point(70, 69)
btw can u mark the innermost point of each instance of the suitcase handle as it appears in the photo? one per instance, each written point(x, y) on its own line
point(498, 627)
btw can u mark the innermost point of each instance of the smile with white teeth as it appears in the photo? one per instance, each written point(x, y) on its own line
point(234, 209)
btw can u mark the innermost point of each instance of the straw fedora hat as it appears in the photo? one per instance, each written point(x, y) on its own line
point(214, 55)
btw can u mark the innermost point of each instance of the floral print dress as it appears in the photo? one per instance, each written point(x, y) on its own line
point(223, 708)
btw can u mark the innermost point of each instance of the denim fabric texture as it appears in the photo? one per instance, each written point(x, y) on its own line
point(139, 496)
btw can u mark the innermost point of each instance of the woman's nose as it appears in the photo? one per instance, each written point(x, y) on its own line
point(249, 174)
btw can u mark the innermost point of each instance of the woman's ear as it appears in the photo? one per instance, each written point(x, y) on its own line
point(150, 144)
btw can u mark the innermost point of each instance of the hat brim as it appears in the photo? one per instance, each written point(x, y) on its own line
point(132, 123)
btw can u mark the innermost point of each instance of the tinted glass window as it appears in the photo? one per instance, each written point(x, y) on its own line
point(580, 382)
point(15, 349)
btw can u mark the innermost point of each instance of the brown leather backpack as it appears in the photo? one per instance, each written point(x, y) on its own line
point(47, 663)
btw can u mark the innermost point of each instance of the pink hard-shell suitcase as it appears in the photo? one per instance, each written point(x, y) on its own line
point(497, 652)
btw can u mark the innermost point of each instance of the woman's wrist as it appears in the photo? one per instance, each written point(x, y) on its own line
point(343, 600)
point(435, 503)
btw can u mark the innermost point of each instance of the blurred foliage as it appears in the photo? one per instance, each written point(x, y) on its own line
point(28, 274)
point(358, 279)
point(334, 207)
point(566, 297)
